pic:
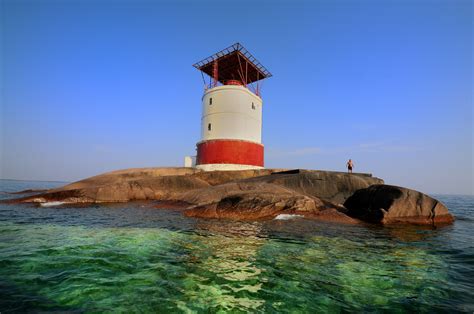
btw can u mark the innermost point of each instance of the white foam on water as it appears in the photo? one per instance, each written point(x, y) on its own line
point(49, 204)
point(287, 217)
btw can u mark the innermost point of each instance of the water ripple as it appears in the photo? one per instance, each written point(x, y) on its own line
point(132, 258)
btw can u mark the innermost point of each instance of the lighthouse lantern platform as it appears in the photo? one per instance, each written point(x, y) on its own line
point(231, 121)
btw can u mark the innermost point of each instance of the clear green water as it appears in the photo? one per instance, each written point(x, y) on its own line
point(133, 258)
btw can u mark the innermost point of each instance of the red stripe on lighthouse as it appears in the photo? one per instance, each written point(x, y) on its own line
point(229, 152)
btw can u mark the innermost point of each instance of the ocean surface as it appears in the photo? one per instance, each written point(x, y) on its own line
point(133, 258)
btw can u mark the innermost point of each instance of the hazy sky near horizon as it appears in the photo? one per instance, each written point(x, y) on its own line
point(93, 86)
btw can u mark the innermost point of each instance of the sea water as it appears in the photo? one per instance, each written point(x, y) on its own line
point(134, 258)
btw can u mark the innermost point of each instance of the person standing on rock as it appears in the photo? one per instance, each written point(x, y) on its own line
point(350, 165)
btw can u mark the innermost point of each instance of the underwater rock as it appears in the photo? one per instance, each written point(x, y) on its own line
point(387, 204)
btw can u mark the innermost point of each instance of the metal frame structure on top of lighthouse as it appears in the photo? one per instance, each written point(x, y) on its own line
point(233, 62)
point(231, 121)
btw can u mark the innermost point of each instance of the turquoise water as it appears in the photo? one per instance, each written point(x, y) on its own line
point(133, 258)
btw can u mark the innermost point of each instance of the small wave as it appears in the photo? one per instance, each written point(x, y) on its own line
point(49, 204)
point(287, 217)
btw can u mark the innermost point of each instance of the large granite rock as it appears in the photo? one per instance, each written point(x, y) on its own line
point(138, 184)
point(389, 204)
point(256, 194)
point(246, 200)
point(157, 188)
point(171, 183)
point(331, 186)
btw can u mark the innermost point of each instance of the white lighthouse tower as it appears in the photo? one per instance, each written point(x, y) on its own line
point(231, 121)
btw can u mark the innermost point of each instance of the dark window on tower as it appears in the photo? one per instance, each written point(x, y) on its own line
point(253, 106)
point(210, 101)
point(209, 127)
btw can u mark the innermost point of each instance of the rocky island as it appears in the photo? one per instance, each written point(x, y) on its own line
point(255, 194)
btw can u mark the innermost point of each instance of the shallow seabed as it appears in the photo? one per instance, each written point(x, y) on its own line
point(133, 258)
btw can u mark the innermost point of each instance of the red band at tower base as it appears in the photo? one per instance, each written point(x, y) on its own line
point(229, 152)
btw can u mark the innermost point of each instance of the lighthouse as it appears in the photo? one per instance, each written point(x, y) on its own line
point(231, 120)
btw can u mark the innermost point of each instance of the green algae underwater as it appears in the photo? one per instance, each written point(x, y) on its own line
point(133, 258)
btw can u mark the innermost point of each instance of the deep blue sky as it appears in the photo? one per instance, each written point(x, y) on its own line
point(92, 86)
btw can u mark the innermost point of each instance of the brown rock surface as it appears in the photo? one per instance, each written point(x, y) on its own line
point(258, 200)
point(155, 188)
point(123, 186)
point(331, 186)
point(170, 183)
point(389, 204)
point(256, 194)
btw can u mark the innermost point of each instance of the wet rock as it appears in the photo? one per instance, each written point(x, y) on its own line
point(387, 204)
